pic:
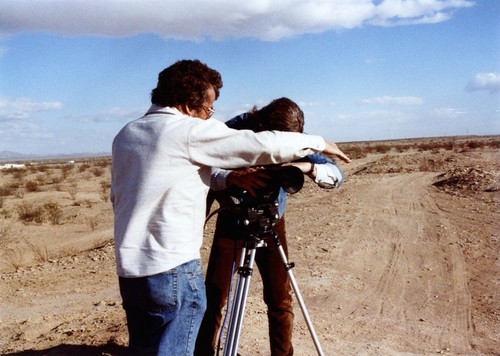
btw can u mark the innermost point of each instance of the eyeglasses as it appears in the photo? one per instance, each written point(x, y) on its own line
point(210, 111)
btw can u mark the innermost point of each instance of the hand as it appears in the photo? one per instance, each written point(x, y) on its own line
point(333, 150)
point(249, 179)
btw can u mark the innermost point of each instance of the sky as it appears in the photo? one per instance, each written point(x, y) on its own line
point(74, 72)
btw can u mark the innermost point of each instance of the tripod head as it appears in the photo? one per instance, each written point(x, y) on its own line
point(259, 213)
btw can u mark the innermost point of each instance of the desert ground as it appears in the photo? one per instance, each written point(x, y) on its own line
point(403, 259)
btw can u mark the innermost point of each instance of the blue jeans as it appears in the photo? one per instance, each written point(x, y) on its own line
point(164, 311)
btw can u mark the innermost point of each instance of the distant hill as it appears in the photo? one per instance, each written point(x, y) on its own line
point(16, 156)
point(9, 155)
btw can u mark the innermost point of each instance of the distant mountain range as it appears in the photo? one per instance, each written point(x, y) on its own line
point(16, 156)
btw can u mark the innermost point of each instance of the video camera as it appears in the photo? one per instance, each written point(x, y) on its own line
point(259, 213)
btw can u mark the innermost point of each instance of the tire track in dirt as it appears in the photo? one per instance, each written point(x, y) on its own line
point(397, 214)
point(458, 323)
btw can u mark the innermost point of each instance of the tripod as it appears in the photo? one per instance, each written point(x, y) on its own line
point(245, 270)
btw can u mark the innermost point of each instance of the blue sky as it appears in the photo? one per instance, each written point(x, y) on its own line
point(73, 72)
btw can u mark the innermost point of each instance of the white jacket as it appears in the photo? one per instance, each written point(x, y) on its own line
point(161, 175)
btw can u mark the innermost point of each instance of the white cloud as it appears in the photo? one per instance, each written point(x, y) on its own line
point(24, 108)
point(485, 81)
point(191, 19)
point(387, 116)
point(398, 12)
point(394, 100)
point(447, 113)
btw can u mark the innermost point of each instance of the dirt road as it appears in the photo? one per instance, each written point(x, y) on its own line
point(387, 265)
point(406, 286)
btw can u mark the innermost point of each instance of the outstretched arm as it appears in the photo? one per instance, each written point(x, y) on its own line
point(332, 149)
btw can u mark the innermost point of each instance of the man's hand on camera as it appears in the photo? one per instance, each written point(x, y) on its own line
point(333, 150)
point(249, 179)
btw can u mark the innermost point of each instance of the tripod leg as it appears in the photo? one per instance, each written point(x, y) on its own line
point(296, 290)
point(235, 305)
point(239, 302)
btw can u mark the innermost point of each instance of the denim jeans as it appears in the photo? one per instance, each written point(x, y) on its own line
point(164, 311)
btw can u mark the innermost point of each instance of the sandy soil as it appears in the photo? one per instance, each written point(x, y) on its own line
point(402, 260)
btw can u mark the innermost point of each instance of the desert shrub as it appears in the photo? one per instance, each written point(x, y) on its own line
point(405, 147)
point(57, 181)
point(54, 212)
point(381, 148)
point(19, 174)
point(6, 190)
point(14, 185)
point(41, 252)
point(65, 170)
point(32, 186)
point(42, 168)
point(435, 146)
point(14, 171)
point(29, 213)
point(431, 165)
point(41, 179)
point(424, 147)
point(6, 214)
point(83, 167)
point(105, 185)
point(14, 257)
point(449, 146)
point(493, 144)
point(93, 221)
point(97, 171)
point(103, 163)
point(474, 144)
point(73, 189)
point(355, 152)
point(19, 193)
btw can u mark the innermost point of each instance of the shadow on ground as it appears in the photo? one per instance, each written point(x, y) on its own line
point(110, 349)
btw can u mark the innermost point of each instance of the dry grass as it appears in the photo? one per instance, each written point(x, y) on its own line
point(66, 196)
point(458, 144)
point(52, 200)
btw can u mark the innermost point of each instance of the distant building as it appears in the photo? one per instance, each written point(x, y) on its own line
point(12, 165)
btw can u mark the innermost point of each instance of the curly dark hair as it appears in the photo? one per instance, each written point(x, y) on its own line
point(186, 82)
point(280, 114)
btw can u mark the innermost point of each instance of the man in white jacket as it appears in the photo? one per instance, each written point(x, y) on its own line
point(160, 177)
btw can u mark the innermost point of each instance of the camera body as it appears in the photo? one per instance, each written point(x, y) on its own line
point(259, 213)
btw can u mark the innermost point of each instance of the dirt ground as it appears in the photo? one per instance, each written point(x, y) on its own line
point(403, 259)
